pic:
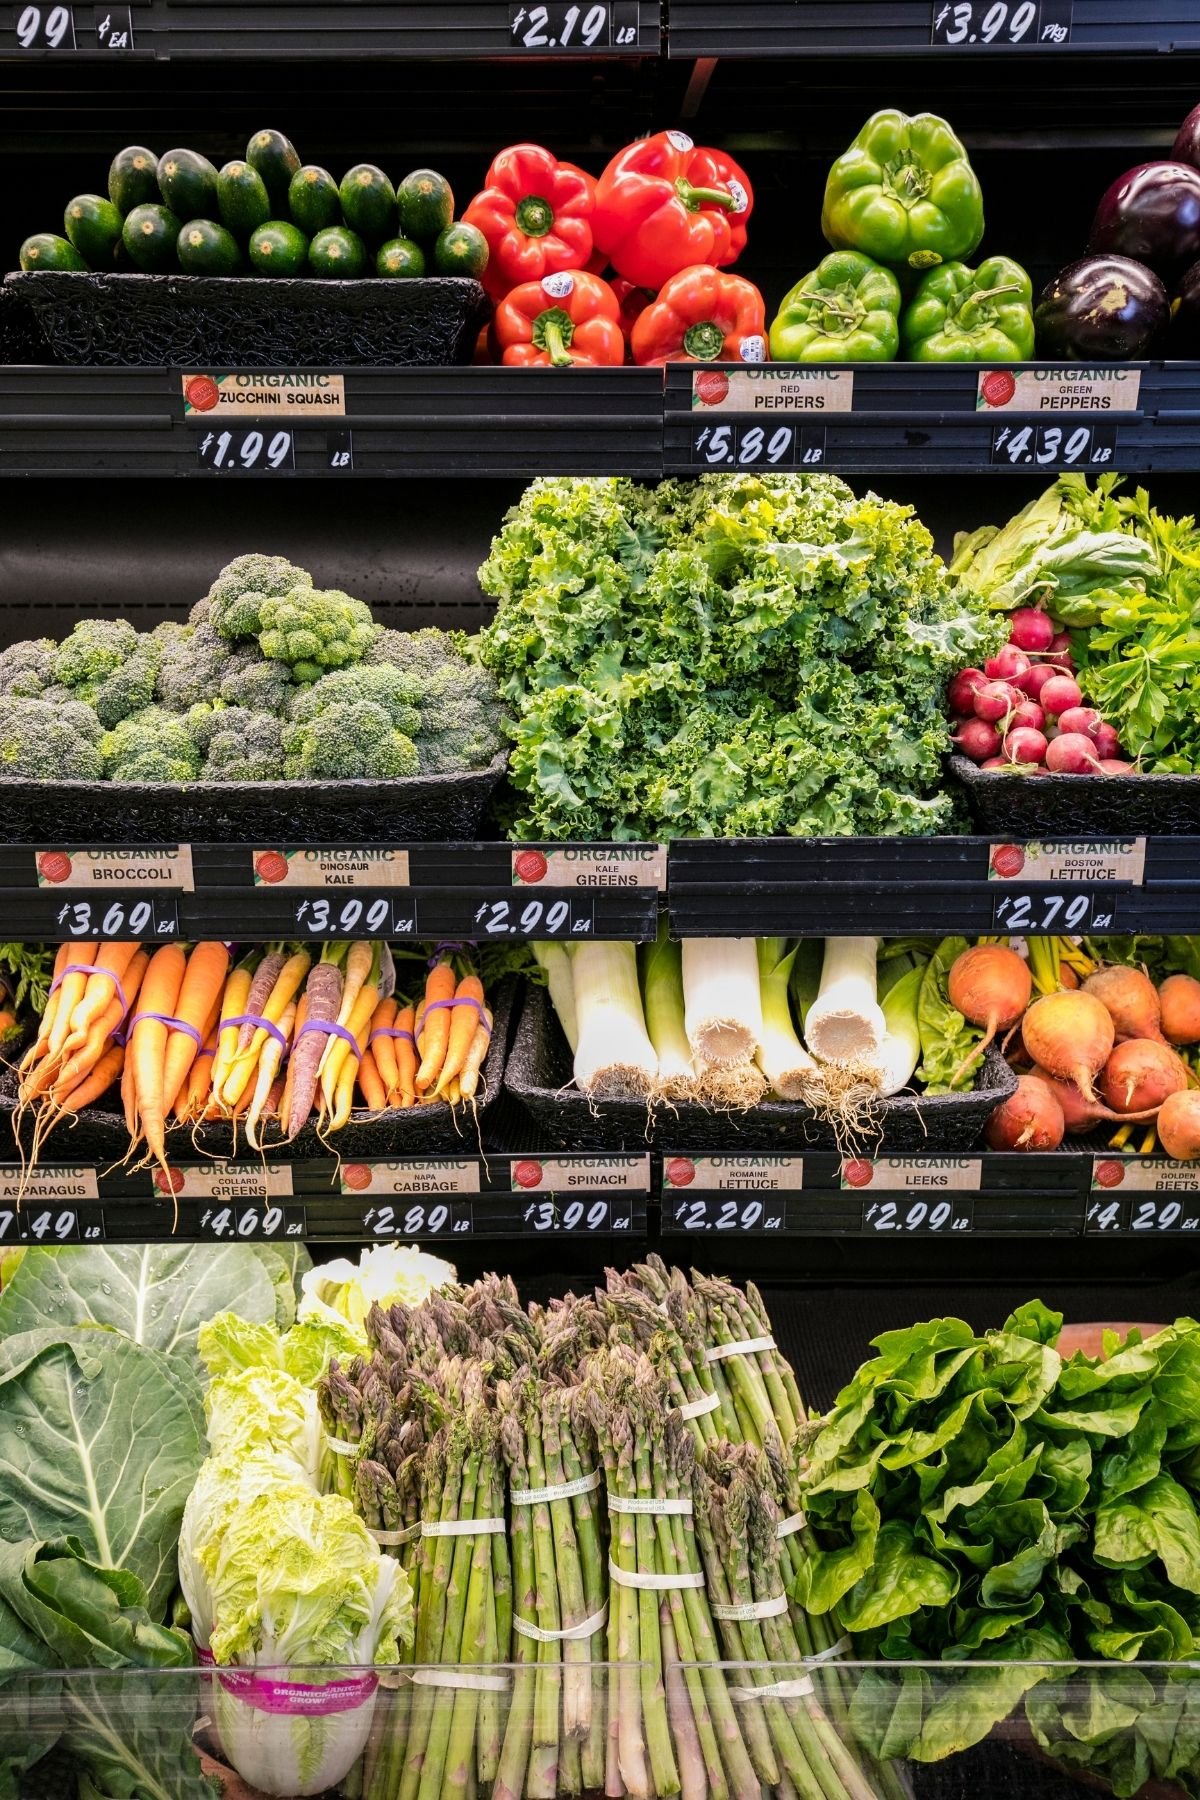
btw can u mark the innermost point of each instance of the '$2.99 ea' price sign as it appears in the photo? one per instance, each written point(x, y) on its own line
point(1054, 446)
point(747, 446)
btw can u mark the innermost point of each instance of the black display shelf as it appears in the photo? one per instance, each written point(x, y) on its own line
point(416, 422)
point(173, 29)
point(912, 418)
point(486, 893)
point(811, 887)
point(887, 28)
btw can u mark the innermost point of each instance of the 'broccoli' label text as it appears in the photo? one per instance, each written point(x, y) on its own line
point(75, 866)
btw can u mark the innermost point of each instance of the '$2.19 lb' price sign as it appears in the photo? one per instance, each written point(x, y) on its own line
point(603, 24)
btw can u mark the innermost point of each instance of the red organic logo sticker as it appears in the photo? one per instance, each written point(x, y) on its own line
point(859, 1173)
point(1109, 1174)
point(530, 866)
point(54, 865)
point(169, 1181)
point(1008, 860)
point(527, 1174)
point(680, 1171)
point(998, 388)
point(201, 393)
point(271, 866)
point(356, 1177)
point(711, 387)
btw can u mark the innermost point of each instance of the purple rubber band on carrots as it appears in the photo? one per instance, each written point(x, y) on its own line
point(256, 1019)
point(467, 1000)
point(91, 969)
point(166, 1019)
point(328, 1028)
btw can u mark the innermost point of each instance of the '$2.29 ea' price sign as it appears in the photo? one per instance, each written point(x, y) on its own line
point(1054, 446)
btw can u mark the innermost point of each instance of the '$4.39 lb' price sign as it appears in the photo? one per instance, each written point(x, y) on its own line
point(1064, 446)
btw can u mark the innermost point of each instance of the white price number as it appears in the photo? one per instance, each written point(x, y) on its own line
point(249, 451)
point(1054, 446)
point(252, 1220)
point(1060, 909)
point(708, 1213)
point(1162, 1214)
point(747, 446)
point(417, 1220)
point(918, 1215)
point(578, 1215)
point(1000, 22)
point(1105, 1215)
point(46, 28)
point(42, 1227)
point(561, 27)
point(320, 915)
point(141, 919)
point(537, 918)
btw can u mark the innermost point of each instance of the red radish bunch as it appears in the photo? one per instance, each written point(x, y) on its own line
point(1024, 710)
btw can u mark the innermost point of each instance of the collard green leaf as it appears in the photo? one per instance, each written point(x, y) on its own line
point(132, 1734)
point(84, 1615)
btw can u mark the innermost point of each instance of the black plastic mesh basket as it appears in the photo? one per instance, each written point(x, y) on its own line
point(538, 1074)
point(99, 1135)
point(417, 808)
point(21, 339)
point(174, 321)
point(1079, 806)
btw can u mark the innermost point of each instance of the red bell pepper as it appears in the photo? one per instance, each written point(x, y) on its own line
point(633, 302)
point(703, 315)
point(569, 319)
point(663, 205)
point(536, 214)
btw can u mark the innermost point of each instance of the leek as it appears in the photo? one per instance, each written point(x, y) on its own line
point(896, 1060)
point(722, 1006)
point(662, 988)
point(553, 958)
point(805, 982)
point(845, 1023)
point(788, 1067)
point(614, 1058)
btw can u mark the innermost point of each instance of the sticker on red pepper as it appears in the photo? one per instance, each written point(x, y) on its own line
point(679, 140)
point(557, 287)
point(741, 198)
point(753, 349)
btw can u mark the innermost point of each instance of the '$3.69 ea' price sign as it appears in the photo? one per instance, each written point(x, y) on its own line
point(139, 919)
point(1054, 446)
point(747, 446)
point(247, 451)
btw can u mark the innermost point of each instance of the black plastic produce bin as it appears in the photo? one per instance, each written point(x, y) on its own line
point(1079, 806)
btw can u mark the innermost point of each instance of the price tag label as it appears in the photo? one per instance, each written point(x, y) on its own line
point(114, 28)
point(44, 1225)
point(125, 918)
point(549, 915)
point(105, 866)
point(733, 445)
point(1000, 22)
point(351, 915)
point(419, 1219)
point(1144, 1194)
point(579, 1216)
point(46, 28)
point(1055, 909)
point(735, 1174)
point(421, 1177)
point(1070, 445)
point(340, 448)
point(602, 25)
point(709, 1212)
point(591, 865)
point(252, 1219)
point(919, 1217)
point(247, 450)
point(582, 1174)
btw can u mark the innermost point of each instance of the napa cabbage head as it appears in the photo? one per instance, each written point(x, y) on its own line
point(383, 1275)
point(225, 1485)
point(229, 1344)
point(258, 1409)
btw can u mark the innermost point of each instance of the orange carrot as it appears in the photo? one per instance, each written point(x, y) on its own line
point(203, 985)
point(111, 962)
point(92, 1049)
point(371, 1082)
point(384, 1048)
point(194, 1095)
point(406, 1059)
point(128, 1098)
point(464, 1022)
point(70, 993)
point(148, 1045)
point(106, 1071)
point(342, 1096)
point(436, 1033)
point(62, 957)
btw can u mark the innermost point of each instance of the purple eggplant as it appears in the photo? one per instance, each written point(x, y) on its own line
point(1103, 309)
point(1186, 148)
point(1151, 213)
point(1184, 340)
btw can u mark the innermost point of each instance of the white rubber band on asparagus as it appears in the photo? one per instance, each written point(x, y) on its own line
point(743, 1347)
point(460, 1678)
point(562, 1490)
point(404, 1535)
point(751, 1609)
point(648, 1503)
point(793, 1523)
point(462, 1527)
point(841, 1648)
point(343, 1446)
point(696, 1409)
point(775, 1690)
point(656, 1584)
point(571, 1634)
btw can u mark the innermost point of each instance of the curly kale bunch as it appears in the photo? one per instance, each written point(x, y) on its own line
point(737, 655)
point(233, 603)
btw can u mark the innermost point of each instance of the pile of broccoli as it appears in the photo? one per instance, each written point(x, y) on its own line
point(270, 679)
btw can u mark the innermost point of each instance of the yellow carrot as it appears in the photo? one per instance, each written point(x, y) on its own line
point(464, 1022)
point(76, 1065)
point(70, 993)
point(405, 1092)
point(469, 1080)
point(62, 957)
point(383, 1048)
point(272, 1056)
point(111, 962)
point(359, 962)
point(435, 1035)
point(288, 983)
point(342, 1097)
point(148, 1044)
point(237, 989)
point(359, 1026)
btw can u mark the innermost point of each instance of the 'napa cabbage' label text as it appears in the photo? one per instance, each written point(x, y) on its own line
point(424, 1177)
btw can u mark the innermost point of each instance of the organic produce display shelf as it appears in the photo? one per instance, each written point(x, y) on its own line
point(863, 28)
point(972, 885)
point(741, 1202)
point(315, 28)
point(914, 418)
point(489, 893)
point(449, 421)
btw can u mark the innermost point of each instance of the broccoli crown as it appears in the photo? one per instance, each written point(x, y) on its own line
point(153, 745)
point(95, 649)
point(199, 614)
point(203, 720)
point(81, 718)
point(461, 720)
point(393, 689)
point(251, 681)
point(313, 632)
point(194, 661)
point(235, 597)
point(127, 690)
point(40, 742)
point(349, 741)
point(244, 746)
point(27, 668)
point(422, 652)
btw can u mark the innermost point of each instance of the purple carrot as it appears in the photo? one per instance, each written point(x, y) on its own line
point(324, 994)
point(265, 977)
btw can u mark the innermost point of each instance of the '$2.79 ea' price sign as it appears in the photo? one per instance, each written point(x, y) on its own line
point(1054, 446)
point(747, 446)
point(1055, 909)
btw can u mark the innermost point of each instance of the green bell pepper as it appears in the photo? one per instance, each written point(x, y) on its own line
point(847, 309)
point(904, 193)
point(971, 315)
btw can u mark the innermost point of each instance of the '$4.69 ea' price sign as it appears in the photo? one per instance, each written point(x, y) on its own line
point(1054, 446)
